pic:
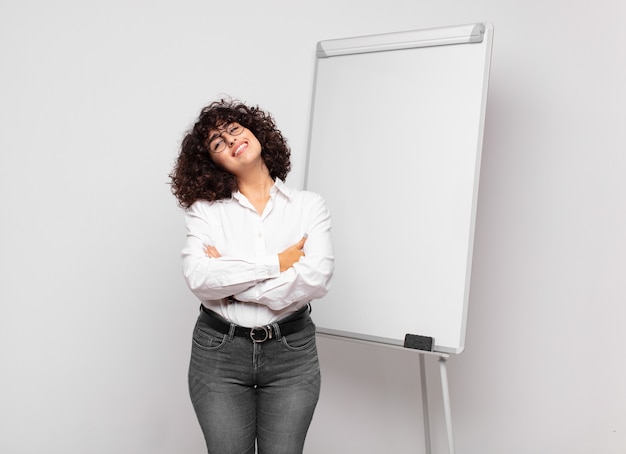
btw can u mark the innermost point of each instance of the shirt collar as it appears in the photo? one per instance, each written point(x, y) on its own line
point(278, 186)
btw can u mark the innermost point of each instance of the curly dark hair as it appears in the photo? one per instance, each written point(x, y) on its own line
point(195, 176)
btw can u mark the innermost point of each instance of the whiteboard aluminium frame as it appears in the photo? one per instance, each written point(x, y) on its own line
point(477, 33)
point(462, 34)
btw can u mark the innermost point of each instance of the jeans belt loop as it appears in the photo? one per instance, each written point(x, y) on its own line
point(231, 331)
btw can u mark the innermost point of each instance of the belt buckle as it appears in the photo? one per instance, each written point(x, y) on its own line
point(264, 331)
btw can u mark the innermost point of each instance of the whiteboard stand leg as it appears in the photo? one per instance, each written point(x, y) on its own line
point(425, 410)
point(446, 402)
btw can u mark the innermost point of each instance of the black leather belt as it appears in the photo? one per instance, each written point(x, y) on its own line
point(289, 325)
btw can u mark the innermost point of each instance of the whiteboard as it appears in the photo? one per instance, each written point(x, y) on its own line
point(394, 147)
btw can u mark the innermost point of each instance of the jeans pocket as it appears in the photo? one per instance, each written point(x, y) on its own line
point(207, 338)
point(302, 340)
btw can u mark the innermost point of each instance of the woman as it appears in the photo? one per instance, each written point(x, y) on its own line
point(256, 254)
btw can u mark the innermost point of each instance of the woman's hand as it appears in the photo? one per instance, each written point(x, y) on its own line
point(291, 255)
point(211, 252)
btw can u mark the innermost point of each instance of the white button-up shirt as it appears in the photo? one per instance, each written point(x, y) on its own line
point(249, 244)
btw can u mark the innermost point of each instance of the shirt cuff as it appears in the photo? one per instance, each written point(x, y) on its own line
point(268, 266)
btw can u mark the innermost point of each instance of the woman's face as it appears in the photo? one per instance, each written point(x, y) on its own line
point(233, 147)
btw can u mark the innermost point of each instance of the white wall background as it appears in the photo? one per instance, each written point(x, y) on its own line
point(95, 320)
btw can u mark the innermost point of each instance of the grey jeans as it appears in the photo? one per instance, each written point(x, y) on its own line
point(246, 393)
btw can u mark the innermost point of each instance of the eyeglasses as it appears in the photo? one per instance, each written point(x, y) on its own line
point(217, 144)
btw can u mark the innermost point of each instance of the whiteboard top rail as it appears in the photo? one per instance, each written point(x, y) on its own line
point(441, 36)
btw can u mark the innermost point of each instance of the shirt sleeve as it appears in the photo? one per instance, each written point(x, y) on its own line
point(310, 277)
point(217, 278)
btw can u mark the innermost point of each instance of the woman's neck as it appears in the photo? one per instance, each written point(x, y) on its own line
point(256, 187)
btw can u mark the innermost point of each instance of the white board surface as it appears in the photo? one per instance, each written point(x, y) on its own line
point(394, 148)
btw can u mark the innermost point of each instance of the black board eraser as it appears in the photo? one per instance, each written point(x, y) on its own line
point(419, 342)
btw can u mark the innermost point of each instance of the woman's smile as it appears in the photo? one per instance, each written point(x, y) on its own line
point(240, 149)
